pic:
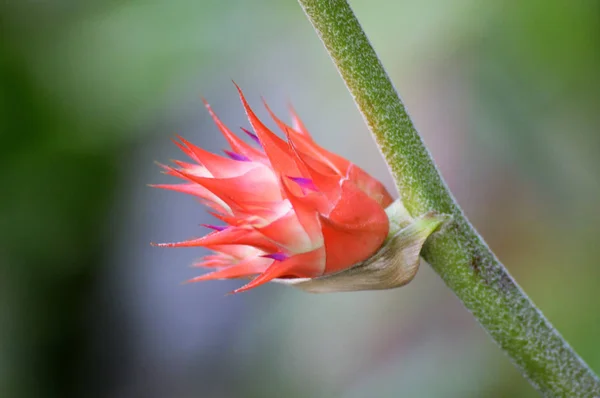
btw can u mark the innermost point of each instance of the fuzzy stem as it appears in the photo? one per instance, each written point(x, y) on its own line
point(457, 253)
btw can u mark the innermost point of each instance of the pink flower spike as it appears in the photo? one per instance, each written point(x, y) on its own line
point(291, 209)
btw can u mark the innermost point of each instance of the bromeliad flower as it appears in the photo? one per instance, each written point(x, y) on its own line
point(290, 209)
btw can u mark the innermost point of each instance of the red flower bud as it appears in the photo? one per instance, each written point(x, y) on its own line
point(291, 208)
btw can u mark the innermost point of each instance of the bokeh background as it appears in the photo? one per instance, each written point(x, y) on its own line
point(506, 94)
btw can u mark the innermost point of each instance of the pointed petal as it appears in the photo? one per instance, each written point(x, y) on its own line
point(238, 252)
point(305, 144)
point(322, 176)
point(193, 169)
point(215, 261)
point(276, 149)
point(236, 144)
point(336, 163)
point(297, 129)
point(185, 149)
point(219, 166)
point(197, 190)
point(304, 265)
point(297, 123)
point(191, 189)
point(229, 236)
point(258, 184)
point(244, 269)
point(282, 126)
point(190, 166)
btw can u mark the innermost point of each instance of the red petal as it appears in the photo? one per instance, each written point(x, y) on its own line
point(215, 261)
point(186, 150)
point(304, 265)
point(192, 189)
point(306, 145)
point(229, 236)
point(219, 166)
point(246, 268)
point(306, 209)
point(199, 191)
point(369, 185)
point(323, 177)
point(282, 126)
point(236, 144)
point(306, 163)
point(288, 232)
point(250, 215)
point(277, 150)
point(354, 230)
point(297, 124)
point(317, 157)
point(239, 252)
point(186, 165)
point(297, 130)
point(258, 185)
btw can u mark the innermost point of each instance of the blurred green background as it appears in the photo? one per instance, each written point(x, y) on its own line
point(506, 94)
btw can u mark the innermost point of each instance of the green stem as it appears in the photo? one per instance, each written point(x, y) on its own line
point(457, 253)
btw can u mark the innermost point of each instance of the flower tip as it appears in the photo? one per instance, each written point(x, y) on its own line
point(251, 135)
point(233, 292)
point(304, 183)
point(193, 280)
point(242, 289)
point(239, 90)
point(242, 97)
point(215, 227)
point(154, 244)
point(276, 256)
point(200, 278)
point(264, 101)
point(290, 107)
point(237, 156)
point(165, 168)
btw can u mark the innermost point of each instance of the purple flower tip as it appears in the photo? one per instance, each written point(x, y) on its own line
point(215, 227)
point(252, 135)
point(305, 183)
point(236, 156)
point(276, 256)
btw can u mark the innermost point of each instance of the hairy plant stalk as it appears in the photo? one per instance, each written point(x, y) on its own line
point(457, 253)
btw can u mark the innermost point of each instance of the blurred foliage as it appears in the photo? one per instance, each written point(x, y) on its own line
point(82, 83)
